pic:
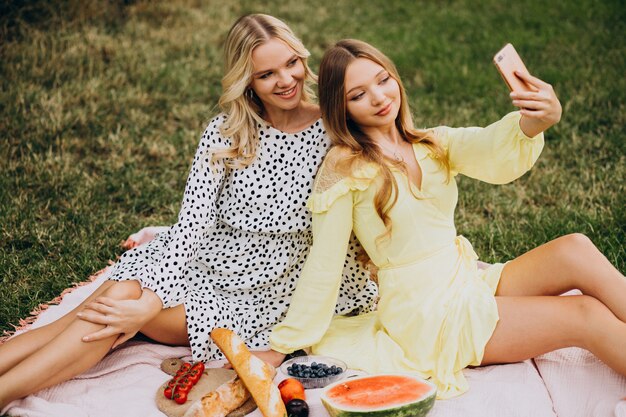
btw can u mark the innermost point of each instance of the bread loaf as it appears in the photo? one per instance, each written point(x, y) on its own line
point(219, 403)
point(257, 375)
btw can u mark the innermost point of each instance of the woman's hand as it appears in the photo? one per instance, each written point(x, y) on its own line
point(145, 235)
point(121, 317)
point(539, 109)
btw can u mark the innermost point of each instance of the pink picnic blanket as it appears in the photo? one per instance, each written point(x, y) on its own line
point(565, 383)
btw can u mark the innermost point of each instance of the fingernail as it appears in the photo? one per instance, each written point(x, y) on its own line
point(85, 339)
point(79, 314)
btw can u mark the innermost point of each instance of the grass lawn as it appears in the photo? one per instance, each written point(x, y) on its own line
point(102, 104)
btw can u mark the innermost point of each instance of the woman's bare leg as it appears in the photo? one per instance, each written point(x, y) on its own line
point(168, 327)
point(569, 262)
point(531, 326)
point(64, 355)
point(14, 350)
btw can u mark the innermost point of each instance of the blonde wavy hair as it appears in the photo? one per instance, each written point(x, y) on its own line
point(239, 102)
point(355, 147)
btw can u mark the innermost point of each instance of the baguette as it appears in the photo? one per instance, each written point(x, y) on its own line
point(219, 403)
point(256, 374)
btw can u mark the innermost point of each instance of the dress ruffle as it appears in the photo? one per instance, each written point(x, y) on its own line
point(320, 202)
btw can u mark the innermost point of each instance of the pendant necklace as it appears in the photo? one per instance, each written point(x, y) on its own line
point(398, 157)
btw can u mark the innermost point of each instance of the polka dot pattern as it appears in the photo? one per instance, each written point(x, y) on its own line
point(242, 236)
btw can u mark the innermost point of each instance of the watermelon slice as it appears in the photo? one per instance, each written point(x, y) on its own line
point(384, 395)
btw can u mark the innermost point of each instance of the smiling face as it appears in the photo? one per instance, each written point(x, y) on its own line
point(372, 96)
point(278, 77)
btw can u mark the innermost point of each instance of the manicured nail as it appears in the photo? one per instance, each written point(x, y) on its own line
point(85, 339)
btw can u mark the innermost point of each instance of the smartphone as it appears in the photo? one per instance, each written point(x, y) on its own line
point(507, 62)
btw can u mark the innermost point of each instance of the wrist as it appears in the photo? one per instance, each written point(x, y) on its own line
point(295, 354)
point(531, 127)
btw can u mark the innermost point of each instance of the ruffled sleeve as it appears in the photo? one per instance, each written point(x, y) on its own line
point(168, 257)
point(330, 184)
point(312, 305)
point(498, 153)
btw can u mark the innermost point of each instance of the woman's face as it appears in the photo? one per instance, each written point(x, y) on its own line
point(372, 95)
point(278, 77)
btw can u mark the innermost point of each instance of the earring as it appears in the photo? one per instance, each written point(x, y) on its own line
point(250, 93)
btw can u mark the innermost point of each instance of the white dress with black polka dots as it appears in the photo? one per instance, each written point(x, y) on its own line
point(242, 236)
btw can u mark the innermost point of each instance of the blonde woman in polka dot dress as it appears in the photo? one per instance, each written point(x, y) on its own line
point(233, 257)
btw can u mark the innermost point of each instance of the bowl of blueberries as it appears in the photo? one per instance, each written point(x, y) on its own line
point(314, 371)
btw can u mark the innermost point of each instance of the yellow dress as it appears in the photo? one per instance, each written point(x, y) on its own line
point(436, 310)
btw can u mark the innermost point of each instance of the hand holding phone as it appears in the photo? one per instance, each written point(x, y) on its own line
point(539, 106)
point(507, 61)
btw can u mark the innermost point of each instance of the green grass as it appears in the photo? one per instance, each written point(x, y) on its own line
point(102, 104)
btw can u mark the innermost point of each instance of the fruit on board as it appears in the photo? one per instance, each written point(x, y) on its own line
point(291, 389)
point(186, 377)
point(384, 395)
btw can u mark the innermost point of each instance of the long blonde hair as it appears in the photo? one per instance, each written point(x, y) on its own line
point(242, 107)
point(347, 135)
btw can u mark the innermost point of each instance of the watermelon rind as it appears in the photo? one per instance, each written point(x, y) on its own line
point(418, 408)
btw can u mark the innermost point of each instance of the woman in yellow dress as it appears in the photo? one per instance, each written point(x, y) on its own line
point(393, 186)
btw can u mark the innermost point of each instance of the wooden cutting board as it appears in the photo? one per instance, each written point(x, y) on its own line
point(211, 379)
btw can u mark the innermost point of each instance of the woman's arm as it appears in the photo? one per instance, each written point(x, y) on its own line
point(163, 262)
point(508, 148)
point(312, 305)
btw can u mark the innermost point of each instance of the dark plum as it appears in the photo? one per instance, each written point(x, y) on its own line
point(297, 408)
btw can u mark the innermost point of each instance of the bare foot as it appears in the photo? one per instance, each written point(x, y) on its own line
point(145, 235)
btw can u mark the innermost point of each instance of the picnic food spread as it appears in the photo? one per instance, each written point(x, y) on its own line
point(384, 395)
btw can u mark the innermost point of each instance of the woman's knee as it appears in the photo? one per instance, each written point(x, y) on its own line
point(575, 244)
point(588, 314)
point(124, 290)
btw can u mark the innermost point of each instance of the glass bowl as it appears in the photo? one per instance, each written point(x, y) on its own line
point(314, 382)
